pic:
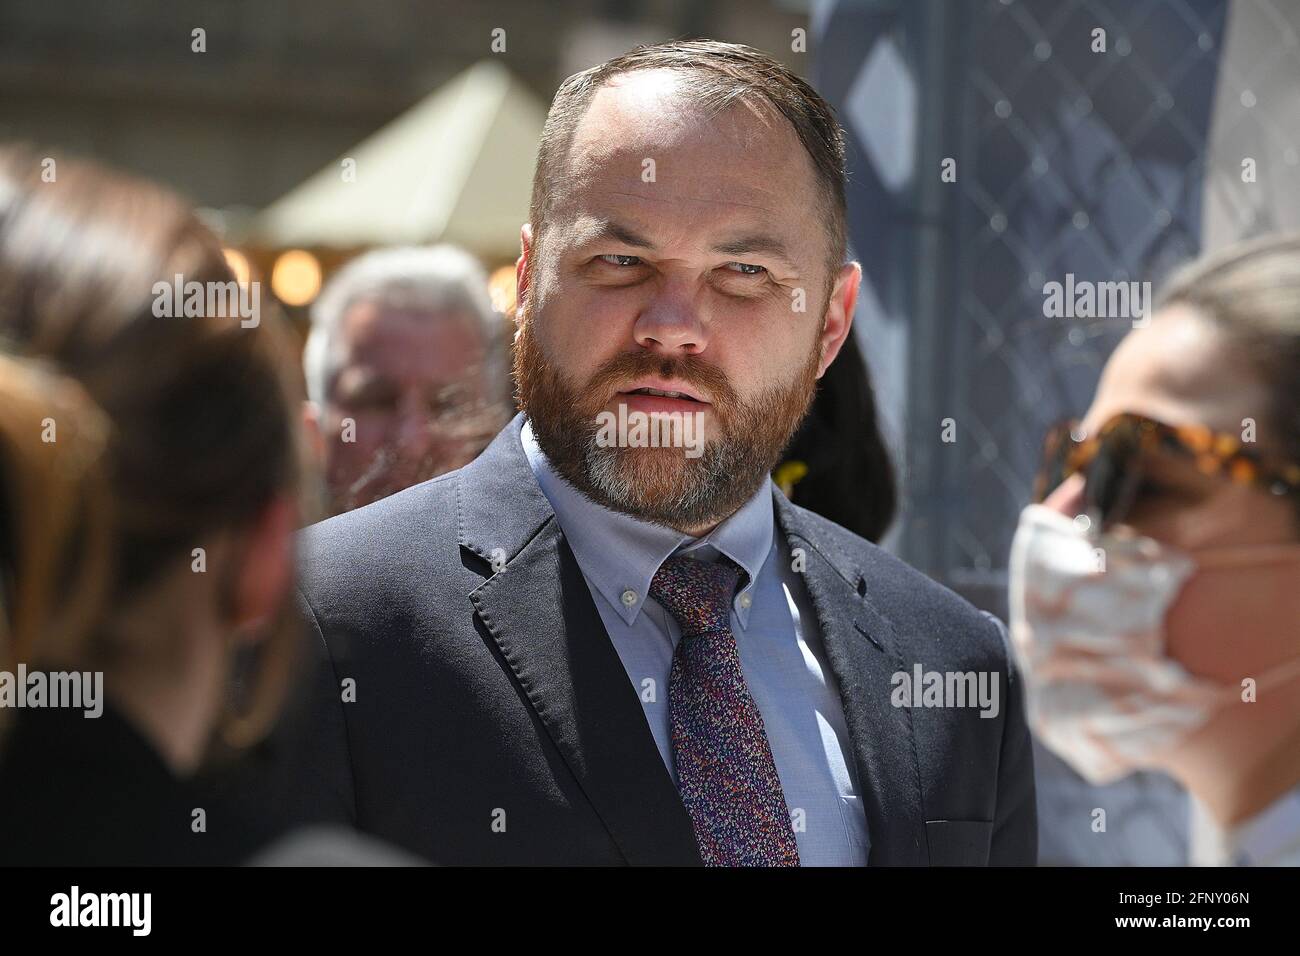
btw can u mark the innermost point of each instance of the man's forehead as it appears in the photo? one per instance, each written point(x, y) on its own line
point(645, 155)
point(415, 351)
point(372, 328)
point(651, 112)
point(369, 315)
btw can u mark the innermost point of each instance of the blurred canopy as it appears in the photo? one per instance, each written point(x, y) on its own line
point(457, 167)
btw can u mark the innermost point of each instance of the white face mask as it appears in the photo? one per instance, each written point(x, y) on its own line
point(1087, 625)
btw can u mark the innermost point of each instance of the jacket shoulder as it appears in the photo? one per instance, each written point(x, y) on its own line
point(381, 543)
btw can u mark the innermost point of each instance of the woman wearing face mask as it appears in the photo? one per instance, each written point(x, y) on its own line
point(1155, 590)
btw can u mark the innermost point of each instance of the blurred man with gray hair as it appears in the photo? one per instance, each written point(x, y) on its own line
point(405, 369)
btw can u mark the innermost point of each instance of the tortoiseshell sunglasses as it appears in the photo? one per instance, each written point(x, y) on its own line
point(1111, 462)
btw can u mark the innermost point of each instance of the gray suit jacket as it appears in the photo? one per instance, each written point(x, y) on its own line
point(493, 722)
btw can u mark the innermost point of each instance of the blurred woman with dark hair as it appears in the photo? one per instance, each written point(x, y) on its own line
point(149, 469)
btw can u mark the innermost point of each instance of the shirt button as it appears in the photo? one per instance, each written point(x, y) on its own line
point(746, 600)
point(629, 597)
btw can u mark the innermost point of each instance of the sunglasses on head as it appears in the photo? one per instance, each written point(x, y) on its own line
point(1112, 460)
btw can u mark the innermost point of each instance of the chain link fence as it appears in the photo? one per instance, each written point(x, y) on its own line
point(997, 147)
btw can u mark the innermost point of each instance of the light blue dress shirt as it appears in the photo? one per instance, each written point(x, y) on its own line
point(777, 637)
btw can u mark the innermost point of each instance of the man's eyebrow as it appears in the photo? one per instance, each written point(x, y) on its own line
point(608, 229)
point(744, 245)
point(740, 246)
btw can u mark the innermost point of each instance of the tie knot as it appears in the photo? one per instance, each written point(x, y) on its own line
point(697, 593)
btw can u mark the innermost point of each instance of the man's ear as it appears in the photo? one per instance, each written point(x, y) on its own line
point(265, 559)
point(839, 313)
point(521, 270)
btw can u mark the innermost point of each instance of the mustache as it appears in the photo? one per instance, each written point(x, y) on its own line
point(711, 381)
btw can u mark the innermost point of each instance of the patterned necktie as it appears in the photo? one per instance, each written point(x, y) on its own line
point(725, 772)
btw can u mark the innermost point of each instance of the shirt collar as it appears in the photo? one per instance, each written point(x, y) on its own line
point(619, 554)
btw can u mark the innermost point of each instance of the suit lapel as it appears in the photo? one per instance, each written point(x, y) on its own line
point(539, 611)
point(862, 651)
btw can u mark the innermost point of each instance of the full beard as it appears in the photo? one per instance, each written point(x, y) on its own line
point(660, 485)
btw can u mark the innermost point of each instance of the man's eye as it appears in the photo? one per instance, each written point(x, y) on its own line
point(621, 260)
point(745, 268)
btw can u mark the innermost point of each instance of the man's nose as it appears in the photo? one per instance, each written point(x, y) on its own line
point(413, 429)
point(671, 323)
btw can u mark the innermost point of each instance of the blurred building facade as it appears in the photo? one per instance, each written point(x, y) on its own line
point(284, 86)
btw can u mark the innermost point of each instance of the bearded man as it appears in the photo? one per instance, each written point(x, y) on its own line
point(587, 648)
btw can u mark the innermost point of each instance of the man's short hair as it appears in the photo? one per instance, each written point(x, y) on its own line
point(433, 279)
point(720, 74)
